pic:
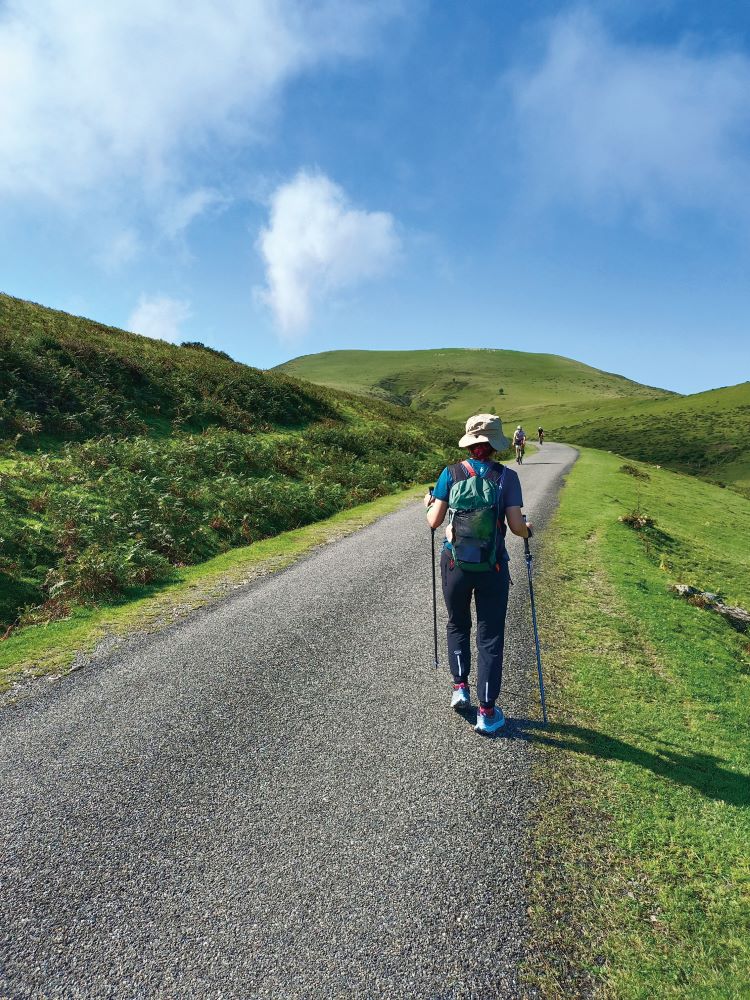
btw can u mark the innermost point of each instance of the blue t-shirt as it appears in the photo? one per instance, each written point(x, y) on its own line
point(510, 484)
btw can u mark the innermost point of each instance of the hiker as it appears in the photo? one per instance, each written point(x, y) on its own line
point(519, 443)
point(480, 496)
point(540, 435)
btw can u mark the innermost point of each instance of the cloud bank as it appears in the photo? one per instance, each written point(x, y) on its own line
point(160, 317)
point(620, 127)
point(317, 243)
point(93, 96)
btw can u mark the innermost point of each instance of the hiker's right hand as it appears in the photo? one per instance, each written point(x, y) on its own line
point(429, 500)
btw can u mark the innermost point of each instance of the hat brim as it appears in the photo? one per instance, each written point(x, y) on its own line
point(497, 441)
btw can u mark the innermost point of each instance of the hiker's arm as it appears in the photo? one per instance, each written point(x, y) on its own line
point(436, 512)
point(516, 523)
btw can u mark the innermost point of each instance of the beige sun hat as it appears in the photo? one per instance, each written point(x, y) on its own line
point(484, 427)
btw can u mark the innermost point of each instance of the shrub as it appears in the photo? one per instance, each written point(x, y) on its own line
point(632, 470)
point(99, 572)
point(638, 520)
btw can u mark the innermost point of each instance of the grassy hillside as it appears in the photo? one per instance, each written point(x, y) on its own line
point(707, 434)
point(643, 877)
point(123, 457)
point(456, 382)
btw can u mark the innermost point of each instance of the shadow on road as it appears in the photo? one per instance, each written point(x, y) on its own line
point(701, 771)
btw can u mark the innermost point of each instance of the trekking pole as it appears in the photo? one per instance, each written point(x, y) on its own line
point(529, 557)
point(434, 595)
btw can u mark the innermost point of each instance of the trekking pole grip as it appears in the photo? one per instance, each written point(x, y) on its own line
point(526, 548)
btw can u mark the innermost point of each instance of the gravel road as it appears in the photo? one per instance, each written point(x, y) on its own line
point(273, 798)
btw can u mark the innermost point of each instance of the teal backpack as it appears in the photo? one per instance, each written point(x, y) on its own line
point(475, 510)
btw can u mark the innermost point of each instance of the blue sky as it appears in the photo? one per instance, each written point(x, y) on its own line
point(281, 177)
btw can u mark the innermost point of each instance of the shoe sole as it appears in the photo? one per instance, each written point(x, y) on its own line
point(489, 732)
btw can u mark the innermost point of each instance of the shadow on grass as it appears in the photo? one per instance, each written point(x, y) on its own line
point(701, 771)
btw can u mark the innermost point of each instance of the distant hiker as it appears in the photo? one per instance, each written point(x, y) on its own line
point(519, 443)
point(540, 435)
point(480, 496)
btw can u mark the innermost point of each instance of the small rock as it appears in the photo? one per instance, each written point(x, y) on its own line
point(737, 617)
point(684, 589)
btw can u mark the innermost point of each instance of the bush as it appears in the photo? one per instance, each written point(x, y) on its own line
point(99, 572)
point(632, 470)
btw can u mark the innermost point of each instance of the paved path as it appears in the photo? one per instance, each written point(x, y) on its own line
point(273, 799)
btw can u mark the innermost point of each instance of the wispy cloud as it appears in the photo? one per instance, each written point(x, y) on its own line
point(122, 248)
point(317, 243)
point(179, 212)
point(104, 96)
point(160, 317)
point(622, 127)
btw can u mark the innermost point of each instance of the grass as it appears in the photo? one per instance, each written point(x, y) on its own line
point(643, 843)
point(54, 647)
point(456, 382)
point(123, 459)
point(707, 434)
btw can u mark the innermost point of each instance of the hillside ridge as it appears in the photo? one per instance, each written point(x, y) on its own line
point(123, 457)
point(705, 434)
point(293, 363)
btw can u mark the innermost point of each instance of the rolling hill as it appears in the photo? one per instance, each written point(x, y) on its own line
point(122, 457)
point(455, 382)
point(706, 434)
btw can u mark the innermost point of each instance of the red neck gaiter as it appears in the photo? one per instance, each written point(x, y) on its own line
point(482, 451)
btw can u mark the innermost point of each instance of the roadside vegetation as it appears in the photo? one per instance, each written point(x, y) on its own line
point(123, 459)
point(69, 642)
point(642, 857)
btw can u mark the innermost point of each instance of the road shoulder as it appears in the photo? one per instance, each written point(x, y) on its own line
point(48, 652)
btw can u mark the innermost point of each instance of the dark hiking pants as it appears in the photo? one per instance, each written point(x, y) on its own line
point(490, 592)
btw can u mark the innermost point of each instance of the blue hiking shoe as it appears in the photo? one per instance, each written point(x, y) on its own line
point(461, 700)
point(489, 721)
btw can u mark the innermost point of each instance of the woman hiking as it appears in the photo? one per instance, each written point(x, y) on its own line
point(481, 497)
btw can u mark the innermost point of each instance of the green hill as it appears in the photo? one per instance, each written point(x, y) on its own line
point(122, 457)
point(455, 382)
point(706, 434)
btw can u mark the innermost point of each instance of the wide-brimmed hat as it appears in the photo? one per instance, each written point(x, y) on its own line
point(484, 427)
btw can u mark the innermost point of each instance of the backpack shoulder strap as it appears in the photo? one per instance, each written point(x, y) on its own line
point(495, 473)
point(458, 472)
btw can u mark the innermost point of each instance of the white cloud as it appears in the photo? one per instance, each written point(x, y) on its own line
point(101, 96)
point(317, 243)
point(122, 248)
point(160, 317)
point(179, 213)
point(624, 127)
